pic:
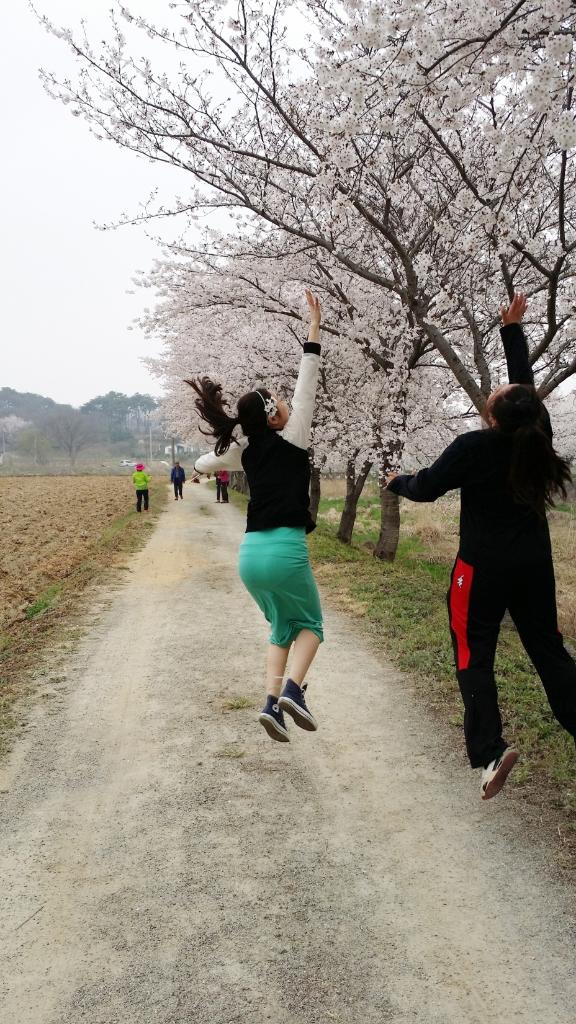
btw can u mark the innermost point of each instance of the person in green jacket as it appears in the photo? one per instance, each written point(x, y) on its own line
point(141, 480)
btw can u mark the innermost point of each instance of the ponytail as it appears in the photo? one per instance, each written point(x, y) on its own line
point(537, 473)
point(211, 405)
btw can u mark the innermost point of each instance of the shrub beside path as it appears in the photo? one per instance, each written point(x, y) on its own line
point(163, 861)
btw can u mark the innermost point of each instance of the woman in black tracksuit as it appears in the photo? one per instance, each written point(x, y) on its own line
point(507, 475)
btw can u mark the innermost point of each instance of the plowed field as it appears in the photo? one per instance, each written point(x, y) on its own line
point(49, 525)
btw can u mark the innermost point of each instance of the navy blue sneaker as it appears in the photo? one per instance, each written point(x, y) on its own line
point(272, 719)
point(292, 701)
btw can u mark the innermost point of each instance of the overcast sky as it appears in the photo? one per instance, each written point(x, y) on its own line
point(65, 311)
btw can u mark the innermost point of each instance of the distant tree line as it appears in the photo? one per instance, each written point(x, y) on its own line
point(35, 425)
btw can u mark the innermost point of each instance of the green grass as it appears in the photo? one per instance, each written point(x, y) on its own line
point(45, 600)
point(564, 507)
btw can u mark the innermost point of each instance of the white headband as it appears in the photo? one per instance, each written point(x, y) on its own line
point(270, 407)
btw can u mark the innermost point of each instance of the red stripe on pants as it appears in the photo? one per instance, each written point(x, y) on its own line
point(459, 604)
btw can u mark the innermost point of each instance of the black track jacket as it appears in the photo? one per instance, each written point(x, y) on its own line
point(494, 529)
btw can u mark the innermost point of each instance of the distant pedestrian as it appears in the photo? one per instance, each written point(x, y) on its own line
point(222, 481)
point(141, 481)
point(178, 478)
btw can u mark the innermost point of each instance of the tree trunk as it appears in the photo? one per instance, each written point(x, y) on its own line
point(314, 492)
point(238, 482)
point(354, 488)
point(387, 543)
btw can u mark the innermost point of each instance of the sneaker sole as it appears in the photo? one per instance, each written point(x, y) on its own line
point(275, 731)
point(496, 784)
point(299, 716)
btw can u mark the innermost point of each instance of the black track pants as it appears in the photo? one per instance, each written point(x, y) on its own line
point(177, 488)
point(139, 495)
point(477, 600)
point(221, 491)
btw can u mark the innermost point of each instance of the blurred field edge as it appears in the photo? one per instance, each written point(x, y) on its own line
point(52, 620)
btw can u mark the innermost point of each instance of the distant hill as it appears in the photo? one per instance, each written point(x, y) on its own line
point(28, 406)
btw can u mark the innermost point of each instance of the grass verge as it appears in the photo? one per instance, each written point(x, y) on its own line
point(43, 601)
point(50, 617)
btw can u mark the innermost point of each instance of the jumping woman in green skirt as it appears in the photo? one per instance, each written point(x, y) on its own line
point(274, 564)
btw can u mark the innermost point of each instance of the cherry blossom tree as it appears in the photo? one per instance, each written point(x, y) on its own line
point(429, 160)
point(243, 319)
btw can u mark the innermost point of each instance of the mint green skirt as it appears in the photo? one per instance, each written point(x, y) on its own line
point(275, 569)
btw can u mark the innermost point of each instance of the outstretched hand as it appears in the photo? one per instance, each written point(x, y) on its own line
point(513, 313)
point(314, 307)
point(390, 477)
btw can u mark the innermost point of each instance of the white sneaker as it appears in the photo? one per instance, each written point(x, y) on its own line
point(494, 775)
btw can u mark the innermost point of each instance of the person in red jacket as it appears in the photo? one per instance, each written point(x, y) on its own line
point(222, 481)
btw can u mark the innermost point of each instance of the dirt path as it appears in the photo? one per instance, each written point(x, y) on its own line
point(350, 877)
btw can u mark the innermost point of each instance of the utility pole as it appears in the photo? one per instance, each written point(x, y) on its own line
point(173, 443)
point(150, 441)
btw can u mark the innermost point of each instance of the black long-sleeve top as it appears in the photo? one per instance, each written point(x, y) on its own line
point(494, 529)
point(276, 463)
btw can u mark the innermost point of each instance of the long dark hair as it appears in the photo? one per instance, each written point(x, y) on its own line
point(211, 404)
point(537, 473)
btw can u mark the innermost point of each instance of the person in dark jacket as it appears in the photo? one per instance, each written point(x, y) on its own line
point(274, 564)
point(178, 478)
point(508, 475)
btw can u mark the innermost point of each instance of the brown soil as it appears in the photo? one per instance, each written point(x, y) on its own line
point(48, 526)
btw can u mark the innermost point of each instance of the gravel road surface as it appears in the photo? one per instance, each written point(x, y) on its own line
point(163, 861)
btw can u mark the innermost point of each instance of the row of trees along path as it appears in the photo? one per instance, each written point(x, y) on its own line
point(413, 170)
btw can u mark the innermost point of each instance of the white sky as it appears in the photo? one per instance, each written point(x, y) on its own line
point(65, 311)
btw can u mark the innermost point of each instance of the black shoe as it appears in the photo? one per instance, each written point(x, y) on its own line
point(292, 701)
point(272, 719)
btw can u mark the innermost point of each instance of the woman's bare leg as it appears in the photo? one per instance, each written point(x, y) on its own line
point(275, 668)
point(305, 647)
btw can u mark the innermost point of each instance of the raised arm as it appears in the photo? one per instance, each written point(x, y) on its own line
point(516, 349)
point(514, 341)
point(297, 430)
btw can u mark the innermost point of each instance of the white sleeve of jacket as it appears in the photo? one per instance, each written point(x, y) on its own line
point(297, 430)
point(232, 460)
